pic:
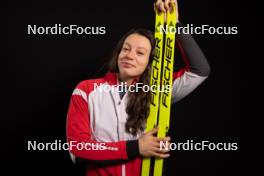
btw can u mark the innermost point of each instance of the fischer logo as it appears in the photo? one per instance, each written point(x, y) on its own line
point(167, 70)
point(155, 70)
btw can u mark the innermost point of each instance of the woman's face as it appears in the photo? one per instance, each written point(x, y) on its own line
point(134, 56)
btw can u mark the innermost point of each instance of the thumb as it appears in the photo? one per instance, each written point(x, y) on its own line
point(153, 131)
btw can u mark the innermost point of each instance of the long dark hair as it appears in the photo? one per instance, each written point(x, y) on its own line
point(138, 102)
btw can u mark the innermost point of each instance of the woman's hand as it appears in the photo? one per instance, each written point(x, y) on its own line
point(166, 6)
point(149, 145)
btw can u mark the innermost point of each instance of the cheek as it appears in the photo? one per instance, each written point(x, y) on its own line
point(143, 63)
point(121, 54)
point(118, 60)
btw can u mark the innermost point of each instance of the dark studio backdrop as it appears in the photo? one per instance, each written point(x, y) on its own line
point(44, 69)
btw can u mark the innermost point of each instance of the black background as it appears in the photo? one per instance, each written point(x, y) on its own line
point(44, 69)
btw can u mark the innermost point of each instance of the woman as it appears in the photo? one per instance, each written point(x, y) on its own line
point(109, 122)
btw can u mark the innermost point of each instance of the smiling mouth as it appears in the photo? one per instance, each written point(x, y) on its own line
point(127, 65)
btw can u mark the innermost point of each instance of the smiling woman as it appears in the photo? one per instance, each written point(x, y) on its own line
point(118, 118)
point(134, 57)
point(132, 61)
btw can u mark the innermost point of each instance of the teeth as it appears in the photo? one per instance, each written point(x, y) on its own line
point(127, 63)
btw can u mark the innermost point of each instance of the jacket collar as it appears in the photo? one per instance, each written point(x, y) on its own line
point(112, 78)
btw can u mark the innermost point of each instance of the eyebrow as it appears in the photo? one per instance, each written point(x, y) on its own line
point(140, 47)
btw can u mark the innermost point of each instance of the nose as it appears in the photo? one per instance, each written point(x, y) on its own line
point(130, 55)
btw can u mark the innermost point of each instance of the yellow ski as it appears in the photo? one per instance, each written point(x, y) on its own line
point(154, 81)
point(162, 67)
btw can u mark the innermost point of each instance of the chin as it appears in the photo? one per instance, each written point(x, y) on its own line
point(128, 74)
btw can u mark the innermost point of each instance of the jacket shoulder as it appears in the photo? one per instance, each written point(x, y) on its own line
point(88, 85)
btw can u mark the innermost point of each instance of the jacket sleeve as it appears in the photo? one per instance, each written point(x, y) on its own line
point(79, 134)
point(196, 68)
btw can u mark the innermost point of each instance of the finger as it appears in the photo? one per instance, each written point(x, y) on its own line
point(161, 155)
point(166, 139)
point(159, 139)
point(161, 7)
point(154, 7)
point(147, 132)
point(161, 150)
point(166, 5)
point(158, 147)
point(161, 142)
point(164, 156)
point(176, 4)
point(156, 144)
point(171, 4)
point(158, 1)
point(157, 6)
point(164, 146)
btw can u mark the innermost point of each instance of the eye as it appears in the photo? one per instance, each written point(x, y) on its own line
point(140, 53)
point(125, 48)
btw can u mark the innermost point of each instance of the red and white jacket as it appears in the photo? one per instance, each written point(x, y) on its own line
point(99, 117)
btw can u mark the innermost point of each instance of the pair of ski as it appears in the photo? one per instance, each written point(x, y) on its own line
point(161, 76)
